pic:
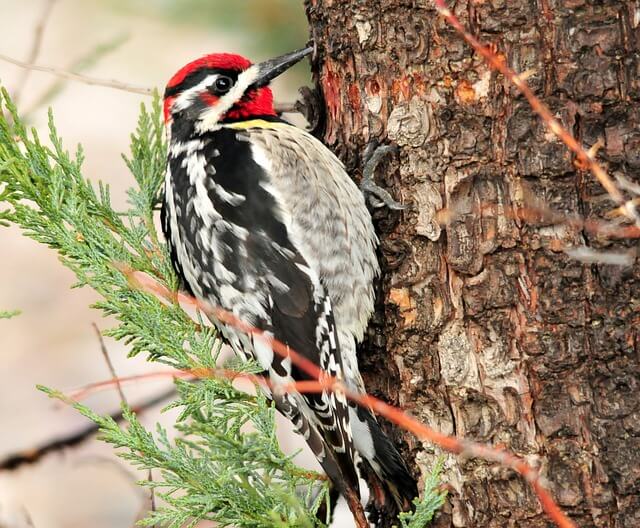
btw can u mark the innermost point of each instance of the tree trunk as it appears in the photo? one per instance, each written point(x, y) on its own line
point(486, 329)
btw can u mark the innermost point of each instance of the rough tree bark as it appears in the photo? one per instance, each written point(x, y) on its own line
point(485, 328)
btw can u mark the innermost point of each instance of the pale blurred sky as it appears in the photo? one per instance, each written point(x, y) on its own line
point(52, 341)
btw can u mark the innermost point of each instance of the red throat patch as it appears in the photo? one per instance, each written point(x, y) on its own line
point(257, 103)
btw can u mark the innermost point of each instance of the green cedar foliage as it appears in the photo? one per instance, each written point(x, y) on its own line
point(225, 465)
point(432, 500)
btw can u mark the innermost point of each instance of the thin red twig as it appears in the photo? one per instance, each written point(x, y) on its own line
point(393, 414)
point(323, 382)
point(586, 159)
point(91, 388)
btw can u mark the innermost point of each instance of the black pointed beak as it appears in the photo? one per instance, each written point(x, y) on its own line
point(270, 69)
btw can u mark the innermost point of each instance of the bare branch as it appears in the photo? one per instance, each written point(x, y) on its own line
point(86, 60)
point(111, 83)
point(535, 212)
point(123, 401)
point(36, 44)
point(112, 371)
point(35, 454)
point(94, 81)
point(627, 184)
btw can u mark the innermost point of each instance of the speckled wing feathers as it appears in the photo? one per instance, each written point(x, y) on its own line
point(228, 239)
point(327, 215)
point(327, 218)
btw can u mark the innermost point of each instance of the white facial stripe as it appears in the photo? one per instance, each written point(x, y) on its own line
point(210, 117)
point(186, 98)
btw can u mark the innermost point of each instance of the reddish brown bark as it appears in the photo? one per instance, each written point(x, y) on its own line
point(486, 329)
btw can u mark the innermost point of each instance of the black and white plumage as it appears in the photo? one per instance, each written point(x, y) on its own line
point(262, 220)
point(230, 244)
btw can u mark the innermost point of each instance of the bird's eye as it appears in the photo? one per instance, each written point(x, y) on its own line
point(222, 85)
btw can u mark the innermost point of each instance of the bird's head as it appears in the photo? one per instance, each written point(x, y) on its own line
point(223, 86)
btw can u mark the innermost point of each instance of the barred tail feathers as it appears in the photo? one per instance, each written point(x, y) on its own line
point(338, 465)
point(399, 488)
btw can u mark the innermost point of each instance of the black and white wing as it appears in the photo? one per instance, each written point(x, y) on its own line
point(229, 240)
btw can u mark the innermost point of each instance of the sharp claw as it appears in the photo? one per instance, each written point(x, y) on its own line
point(383, 197)
point(378, 197)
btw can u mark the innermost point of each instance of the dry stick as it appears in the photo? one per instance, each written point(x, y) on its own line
point(86, 60)
point(36, 44)
point(627, 185)
point(324, 382)
point(94, 81)
point(123, 401)
point(35, 454)
point(543, 111)
point(112, 370)
point(111, 83)
point(606, 229)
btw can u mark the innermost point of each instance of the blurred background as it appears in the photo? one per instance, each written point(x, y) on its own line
point(52, 342)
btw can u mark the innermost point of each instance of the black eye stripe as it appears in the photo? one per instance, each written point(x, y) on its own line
point(197, 77)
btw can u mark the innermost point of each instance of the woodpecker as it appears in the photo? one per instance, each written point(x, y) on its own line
point(262, 220)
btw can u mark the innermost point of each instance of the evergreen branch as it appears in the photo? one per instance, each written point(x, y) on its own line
point(432, 500)
point(215, 470)
point(321, 382)
point(212, 472)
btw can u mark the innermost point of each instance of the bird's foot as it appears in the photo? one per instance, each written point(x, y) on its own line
point(377, 196)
